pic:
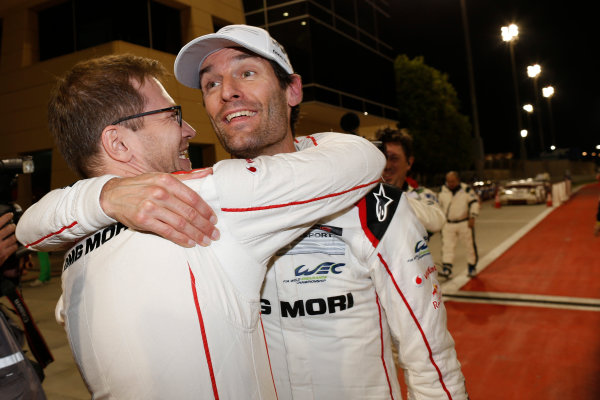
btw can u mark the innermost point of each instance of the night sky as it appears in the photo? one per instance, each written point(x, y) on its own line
point(560, 36)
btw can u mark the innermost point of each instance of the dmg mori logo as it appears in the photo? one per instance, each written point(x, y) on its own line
point(310, 307)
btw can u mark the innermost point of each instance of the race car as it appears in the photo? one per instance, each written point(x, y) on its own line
point(523, 191)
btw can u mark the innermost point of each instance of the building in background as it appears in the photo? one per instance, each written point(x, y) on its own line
point(337, 47)
point(333, 44)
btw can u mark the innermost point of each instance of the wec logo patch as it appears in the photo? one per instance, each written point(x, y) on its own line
point(318, 274)
point(321, 269)
point(421, 250)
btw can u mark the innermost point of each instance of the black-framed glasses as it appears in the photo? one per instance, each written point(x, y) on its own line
point(177, 109)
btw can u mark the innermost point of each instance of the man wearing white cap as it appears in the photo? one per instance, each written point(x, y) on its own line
point(332, 298)
point(146, 318)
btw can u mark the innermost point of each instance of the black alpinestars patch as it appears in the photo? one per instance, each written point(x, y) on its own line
point(381, 204)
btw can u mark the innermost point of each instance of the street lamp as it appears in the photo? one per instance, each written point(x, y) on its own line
point(534, 71)
point(528, 108)
point(548, 92)
point(522, 145)
point(510, 34)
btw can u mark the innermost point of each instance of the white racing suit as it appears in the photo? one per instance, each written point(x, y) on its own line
point(147, 319)
point(426, 206)
point(334, 298)
point(458, 206)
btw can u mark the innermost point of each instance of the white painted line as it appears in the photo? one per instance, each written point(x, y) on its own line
point(532, 297)
point(529, 301)
point(453, 285)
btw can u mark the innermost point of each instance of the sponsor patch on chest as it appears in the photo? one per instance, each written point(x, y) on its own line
point(310, 307)
point(323, 239)
point(305, 274)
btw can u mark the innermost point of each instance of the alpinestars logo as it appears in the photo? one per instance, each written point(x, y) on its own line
point(382, 204)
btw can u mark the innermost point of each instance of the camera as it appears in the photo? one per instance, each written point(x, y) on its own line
point(10, 271)
point(10, 169)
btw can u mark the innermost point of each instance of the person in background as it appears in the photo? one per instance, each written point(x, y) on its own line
point(461, 206)
point(18, 377)
point(397, 145)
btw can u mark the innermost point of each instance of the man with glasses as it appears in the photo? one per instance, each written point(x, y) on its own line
point(176, 113)
point(146, 318)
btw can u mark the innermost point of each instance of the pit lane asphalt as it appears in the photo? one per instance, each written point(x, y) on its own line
point(496, 229)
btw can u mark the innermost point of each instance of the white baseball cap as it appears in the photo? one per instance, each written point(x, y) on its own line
point(257, 40)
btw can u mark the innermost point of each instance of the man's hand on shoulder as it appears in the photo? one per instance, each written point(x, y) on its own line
point(162, 204)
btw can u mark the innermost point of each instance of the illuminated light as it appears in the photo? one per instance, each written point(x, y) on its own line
point(528, 108)
point(534, 70)
point(594, 154)
point(365, 113)
point(598, 147)
point(523, 133)
point(509, 32)
point(548, 91)
point(303, 23)
point(553, 147)
point(584, 153)
point(286, 14)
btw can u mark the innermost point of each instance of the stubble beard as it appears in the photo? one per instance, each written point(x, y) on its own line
point(271, 131)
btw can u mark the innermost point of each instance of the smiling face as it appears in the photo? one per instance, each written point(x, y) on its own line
point(247, 107)
point(396, 166)
point(161, 143)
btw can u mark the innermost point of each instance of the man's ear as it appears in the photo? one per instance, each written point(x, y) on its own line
point(294, 91)
point(114, 143)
